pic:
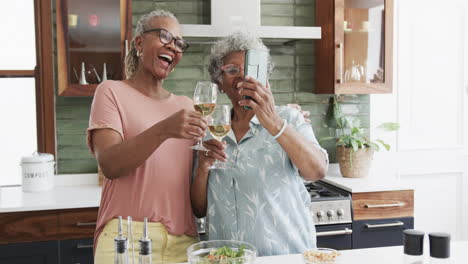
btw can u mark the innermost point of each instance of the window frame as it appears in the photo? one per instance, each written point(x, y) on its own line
point(43, 74)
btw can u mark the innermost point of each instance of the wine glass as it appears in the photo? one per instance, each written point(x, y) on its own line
point(204, 100)
point(219, 126)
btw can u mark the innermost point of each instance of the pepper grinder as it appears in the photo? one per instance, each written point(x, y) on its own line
point(439, 244)
point(413, 246)
point(120, 243)
point(145, 245)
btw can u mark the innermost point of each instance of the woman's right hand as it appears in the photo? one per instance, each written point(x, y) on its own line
point(185, 124)
point(216, 152)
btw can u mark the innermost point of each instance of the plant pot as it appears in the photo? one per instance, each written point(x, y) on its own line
point(354, 164)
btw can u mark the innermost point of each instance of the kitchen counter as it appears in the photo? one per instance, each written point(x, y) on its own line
point(360, 185)
point(13, 199)
point(382, 255)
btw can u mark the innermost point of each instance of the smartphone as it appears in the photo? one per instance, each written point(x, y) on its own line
point(256, 66)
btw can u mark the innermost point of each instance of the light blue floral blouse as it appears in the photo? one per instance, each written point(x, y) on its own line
point(263, 200)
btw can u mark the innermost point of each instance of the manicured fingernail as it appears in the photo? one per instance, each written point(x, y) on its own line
point(239, 84)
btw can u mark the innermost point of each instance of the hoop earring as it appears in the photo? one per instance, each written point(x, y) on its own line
point(172, 70)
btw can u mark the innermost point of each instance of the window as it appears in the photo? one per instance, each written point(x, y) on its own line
point(17, 86)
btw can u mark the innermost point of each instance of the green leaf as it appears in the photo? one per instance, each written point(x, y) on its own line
point(389, 126)
point(374, 146)
point(241, 253)
point(386, 146)
point(355, 131)
point(355, 145)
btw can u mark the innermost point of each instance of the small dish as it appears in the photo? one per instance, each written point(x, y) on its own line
point(321, 256)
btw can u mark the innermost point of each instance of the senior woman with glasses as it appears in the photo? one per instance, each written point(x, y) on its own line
point(262, 200)
point(140, 134)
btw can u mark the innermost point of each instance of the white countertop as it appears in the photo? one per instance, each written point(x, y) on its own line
point(13, 199)
point(368, 184)
point(382, 255)
point(81, 191)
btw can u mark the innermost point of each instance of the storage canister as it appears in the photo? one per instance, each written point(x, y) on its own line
point(38, 172)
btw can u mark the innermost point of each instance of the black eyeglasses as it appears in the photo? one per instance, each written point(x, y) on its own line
point(166, 38)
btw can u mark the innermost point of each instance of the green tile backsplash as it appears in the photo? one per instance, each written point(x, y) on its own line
point(292, 80)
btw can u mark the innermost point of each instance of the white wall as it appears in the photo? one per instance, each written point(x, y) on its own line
point(429, 101)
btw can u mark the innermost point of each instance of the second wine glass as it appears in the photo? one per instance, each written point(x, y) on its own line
point(219, 126)
point(204, 100)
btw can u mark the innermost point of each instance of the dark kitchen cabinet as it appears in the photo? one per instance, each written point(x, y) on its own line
point(379, 218)
point(334, 236)
point(28, 253)
point(355, 52)
point(48, 252)
point(76, 251)
point(49, 237)
point(380, 232)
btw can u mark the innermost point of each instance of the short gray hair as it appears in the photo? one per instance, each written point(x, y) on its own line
point(144, 23)
point(237, 41)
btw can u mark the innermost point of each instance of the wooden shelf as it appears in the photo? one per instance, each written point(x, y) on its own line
point(79, 90)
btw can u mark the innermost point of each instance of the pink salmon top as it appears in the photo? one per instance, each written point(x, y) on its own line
point(160, 188)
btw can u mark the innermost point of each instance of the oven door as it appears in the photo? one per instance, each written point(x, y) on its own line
point(334, 236)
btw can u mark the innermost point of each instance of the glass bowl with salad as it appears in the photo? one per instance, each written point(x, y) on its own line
point(221, 252)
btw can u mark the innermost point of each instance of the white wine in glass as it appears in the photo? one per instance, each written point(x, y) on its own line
point(219, 131)
point(219, 126)
point(204, 100)
point(205, 109)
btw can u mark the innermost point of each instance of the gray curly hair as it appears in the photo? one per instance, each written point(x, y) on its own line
point(131, 60)
point(235, 42)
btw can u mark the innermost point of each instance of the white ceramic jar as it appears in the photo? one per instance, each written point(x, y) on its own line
point(38, 172)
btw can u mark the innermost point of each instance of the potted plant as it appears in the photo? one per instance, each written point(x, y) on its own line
point(355, 149)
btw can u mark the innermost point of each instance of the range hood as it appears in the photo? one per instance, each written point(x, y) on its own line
point(228, 16)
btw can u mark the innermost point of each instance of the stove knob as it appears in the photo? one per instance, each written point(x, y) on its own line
point(330, 213)
point(320, 215)
point(340, 212)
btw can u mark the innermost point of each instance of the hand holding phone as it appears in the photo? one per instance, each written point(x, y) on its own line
point(256, 66)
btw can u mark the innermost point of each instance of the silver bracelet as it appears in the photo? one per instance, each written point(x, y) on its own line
point(285, 124)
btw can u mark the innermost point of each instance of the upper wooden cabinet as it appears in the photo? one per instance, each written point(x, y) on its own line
point(91, 33)
point(354, 55)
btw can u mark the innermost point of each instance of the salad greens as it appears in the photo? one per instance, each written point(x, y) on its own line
point(223, 255)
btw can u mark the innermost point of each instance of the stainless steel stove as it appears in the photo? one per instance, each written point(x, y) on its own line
point(331, 210)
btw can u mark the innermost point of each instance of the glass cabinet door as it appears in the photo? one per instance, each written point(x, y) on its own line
point(354, 55)
point(91, 44)
point(364, 42)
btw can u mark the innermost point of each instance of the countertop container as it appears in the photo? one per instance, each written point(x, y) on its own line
point(38, 172)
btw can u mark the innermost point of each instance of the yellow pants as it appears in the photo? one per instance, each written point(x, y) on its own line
point(166, 248)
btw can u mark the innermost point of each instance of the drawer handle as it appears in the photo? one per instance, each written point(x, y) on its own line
point(399, 223)
point(86, 224)
point(346, 231)
point(82, 246)
point(383, 205)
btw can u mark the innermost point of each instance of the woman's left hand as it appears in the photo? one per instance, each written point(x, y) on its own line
point(262, 103)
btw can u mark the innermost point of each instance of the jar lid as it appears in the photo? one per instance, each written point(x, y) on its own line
point(439, 244)
point(37, 157)
point(413, 242)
